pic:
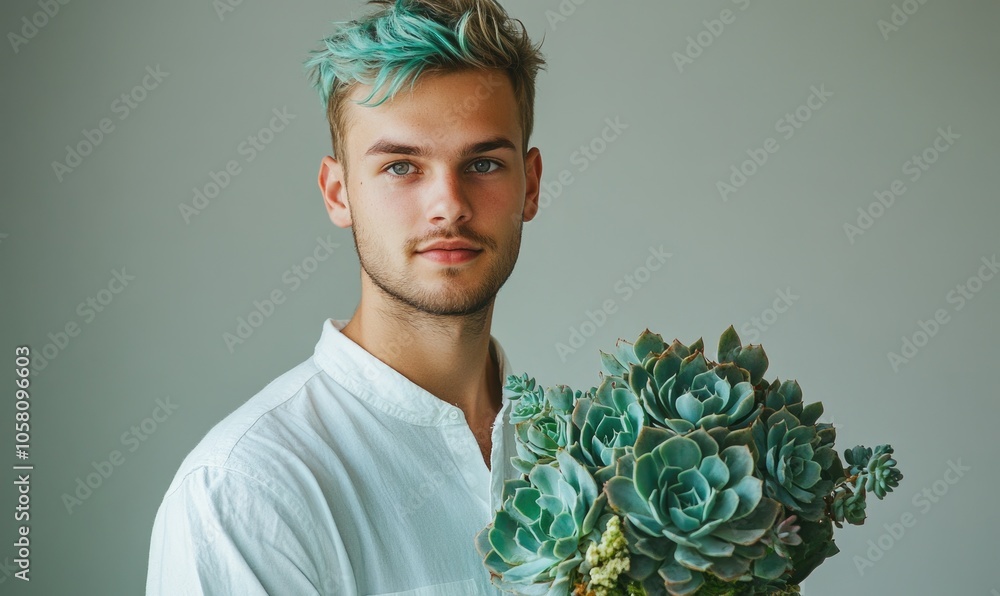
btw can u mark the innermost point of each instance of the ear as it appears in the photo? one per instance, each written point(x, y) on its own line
point(333, 187)
point(532, 183)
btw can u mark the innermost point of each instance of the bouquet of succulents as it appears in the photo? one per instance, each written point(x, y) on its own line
point(677, 475)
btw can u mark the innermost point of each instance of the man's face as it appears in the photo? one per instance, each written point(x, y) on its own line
point(417, 176)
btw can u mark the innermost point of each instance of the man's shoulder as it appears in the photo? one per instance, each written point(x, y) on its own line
point(268, 433)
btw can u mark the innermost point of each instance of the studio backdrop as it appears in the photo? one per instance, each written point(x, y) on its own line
point(820, 175)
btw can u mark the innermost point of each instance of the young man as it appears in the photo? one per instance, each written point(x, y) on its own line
point(369, 468)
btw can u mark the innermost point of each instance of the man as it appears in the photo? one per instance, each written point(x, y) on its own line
point(369, 468)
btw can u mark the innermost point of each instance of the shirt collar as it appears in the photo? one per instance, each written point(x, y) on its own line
point(384, 387)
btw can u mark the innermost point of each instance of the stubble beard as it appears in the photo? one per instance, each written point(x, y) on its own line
point(401, 287)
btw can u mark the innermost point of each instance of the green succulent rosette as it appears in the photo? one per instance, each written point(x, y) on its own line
point(849, 507)
point(605, 427)
point(527, 400)
point(692, 507)
point(876, 470)
point(796, 457)
point(872, 472)
point(542, 420)
point(541, 534)
point(539, 439)
point(681, 391)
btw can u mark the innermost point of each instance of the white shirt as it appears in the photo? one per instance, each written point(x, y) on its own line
point(341, 476)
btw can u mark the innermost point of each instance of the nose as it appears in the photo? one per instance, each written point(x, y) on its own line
point(448, 199)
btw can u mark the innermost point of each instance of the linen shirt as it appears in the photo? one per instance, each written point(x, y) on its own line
point(341, 476)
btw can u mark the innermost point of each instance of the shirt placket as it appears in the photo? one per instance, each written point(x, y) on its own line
point(465, 452)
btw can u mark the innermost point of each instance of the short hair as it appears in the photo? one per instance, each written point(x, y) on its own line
point(406, 38)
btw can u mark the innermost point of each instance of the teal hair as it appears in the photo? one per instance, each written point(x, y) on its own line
point(395, 45)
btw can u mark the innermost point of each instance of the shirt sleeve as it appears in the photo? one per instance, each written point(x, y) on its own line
point(223, 532)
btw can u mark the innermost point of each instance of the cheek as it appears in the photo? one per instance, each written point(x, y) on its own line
point(384, 208)
point(390, 226)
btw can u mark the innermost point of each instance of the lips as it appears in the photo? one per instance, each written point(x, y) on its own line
point(450, 256)
point(450, 245)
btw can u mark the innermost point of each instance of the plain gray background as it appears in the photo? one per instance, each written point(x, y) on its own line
point(847, 300)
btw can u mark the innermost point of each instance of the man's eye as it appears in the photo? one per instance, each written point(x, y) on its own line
point(480, 162)
point(395, 168)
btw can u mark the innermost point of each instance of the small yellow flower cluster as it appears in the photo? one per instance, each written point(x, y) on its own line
point(609, 559)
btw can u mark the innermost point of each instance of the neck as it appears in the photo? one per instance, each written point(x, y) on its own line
point(451, 357)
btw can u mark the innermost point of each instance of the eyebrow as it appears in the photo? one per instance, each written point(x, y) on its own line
point(383, 146)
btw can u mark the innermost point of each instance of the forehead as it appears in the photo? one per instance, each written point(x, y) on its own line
point(443, 111)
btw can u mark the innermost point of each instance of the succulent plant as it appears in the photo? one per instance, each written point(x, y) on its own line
point(542, 420)
point(562, 398)
point(848, 506)
point(690, 509)
point(677, 475)
point(527, 400)
point(817, 545)
point(678, 388)
point(606, 427)
point(796, 456)
point(876, 470)
point(779, 539)
point(542, 532)
point(784, 533)
point(750, 358)
point(643, 351)
point(692, 395)
point(539, 439)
